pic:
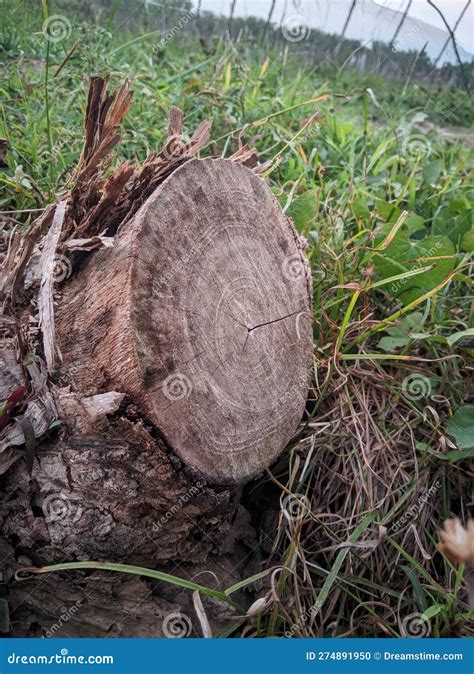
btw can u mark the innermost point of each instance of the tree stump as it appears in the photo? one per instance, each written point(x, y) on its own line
point(201, 314)
point(186, 361)
point(186, 340)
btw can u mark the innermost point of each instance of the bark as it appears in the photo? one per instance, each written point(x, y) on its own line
point(106, 489)
point(112, 493)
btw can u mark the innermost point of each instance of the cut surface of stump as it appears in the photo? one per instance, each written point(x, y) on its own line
point(201, 313)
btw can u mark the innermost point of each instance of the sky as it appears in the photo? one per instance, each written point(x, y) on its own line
point(330, 15)
point(451, 10)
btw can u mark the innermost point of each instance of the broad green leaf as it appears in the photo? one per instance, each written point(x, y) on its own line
point(407, 325)
point(461, 427)
point(404, 254)
point(389, 344)
point(452, 456)
point(432, 171)
point(361, 210)
point(467, 241)
point(454, 220)
point(404, 331)
point(389, 214)
point(303, 209)
point(459, 455)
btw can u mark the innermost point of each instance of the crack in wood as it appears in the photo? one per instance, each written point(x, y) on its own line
point(276, 320)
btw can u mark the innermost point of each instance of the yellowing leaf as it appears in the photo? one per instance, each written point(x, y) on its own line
point(228, 75)
point(264, 68)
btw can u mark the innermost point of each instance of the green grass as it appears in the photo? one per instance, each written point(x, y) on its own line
point(386, 210)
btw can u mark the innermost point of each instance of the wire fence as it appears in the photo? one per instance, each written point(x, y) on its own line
point(287, 30)
point(292, 32)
